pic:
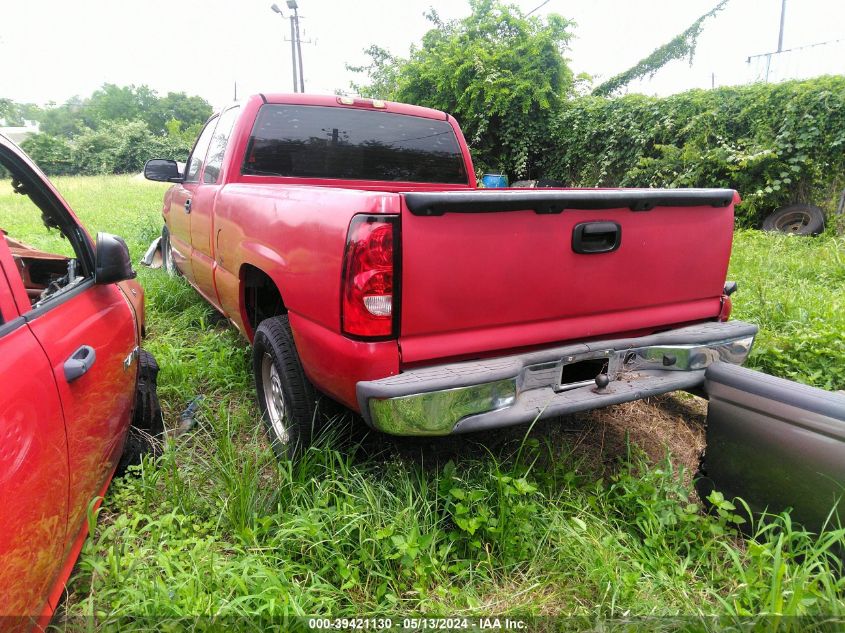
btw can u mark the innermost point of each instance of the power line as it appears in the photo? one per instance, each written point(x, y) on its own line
point(537, 8)
point(793, 49)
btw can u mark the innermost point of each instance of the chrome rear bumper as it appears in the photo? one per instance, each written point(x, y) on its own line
point(497, 392)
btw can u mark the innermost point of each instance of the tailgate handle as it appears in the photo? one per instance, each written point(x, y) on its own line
point(596, 237)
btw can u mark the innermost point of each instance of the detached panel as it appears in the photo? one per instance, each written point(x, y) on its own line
point(775, 443)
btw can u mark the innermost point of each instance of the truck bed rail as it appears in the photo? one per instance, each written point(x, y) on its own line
point(556, 200)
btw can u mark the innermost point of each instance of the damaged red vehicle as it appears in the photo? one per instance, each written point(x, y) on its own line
point(75, 382)
point(347, 240)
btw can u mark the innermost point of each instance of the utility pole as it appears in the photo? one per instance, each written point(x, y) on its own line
point(293, 55)
point(768, 56)
point(295, 20)
point(276, 9)
point(780, 39)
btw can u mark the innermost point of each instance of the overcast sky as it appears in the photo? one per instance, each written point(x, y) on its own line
point(51, 50)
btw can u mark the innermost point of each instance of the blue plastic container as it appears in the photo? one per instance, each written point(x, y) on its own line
point(494, 181)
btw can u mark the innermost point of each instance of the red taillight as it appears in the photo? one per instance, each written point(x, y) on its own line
point(368, 297)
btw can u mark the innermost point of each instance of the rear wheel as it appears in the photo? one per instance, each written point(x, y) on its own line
point(797, 219)
point(286, 397)
point(167, 254)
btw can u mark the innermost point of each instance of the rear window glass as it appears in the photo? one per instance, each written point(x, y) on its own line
point(330, 142)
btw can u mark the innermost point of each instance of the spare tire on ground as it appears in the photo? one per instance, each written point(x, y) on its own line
point(797, 219)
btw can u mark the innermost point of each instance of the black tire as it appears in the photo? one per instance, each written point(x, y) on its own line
point(287, 399)
point(147, 427)
point(136, 446)
point(167, 262)
point(148, 416)
point(797, 219)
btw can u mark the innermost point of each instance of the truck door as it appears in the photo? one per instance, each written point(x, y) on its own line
point(203, 232)
point(181, 202)
point(33, 459)
point(87, 331)
point(96, 323)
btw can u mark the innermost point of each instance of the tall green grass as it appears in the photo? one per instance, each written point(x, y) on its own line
point(794, 289)
point(217, 528)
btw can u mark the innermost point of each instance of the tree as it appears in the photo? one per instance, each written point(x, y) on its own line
point(115, 130)
point(65, 120)
point(189, 111)
point(15, 114)
point(118, 103)
point(382, 71)
point(124, 103)
point(500, 73)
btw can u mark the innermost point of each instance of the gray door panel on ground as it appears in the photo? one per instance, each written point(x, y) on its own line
point(775, 443)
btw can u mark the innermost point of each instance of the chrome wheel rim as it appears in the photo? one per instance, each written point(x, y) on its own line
point(274, 397)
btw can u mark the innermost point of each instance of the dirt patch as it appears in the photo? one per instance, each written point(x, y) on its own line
point(593, 439)
point(673, 422)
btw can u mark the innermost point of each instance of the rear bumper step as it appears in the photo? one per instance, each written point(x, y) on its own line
point(496, 392)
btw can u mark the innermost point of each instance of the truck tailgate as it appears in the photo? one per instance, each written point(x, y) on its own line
point(498, 269)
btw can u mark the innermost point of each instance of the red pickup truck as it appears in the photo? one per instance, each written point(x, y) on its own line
point(347, 239)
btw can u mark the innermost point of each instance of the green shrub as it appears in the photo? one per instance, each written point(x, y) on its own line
point(114, 131)
point(112, 148)
point(51, 153)
point(774, 143)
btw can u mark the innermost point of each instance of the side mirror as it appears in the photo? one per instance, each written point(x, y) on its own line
point(162, 170)
point(112, 262)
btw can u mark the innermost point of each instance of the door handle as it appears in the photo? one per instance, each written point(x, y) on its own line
point(596, 237)
point(79, 362)
point(188, 205)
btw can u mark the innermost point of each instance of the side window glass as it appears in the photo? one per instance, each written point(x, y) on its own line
point(217, 148)
point(195, 161)
point(46, 246)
